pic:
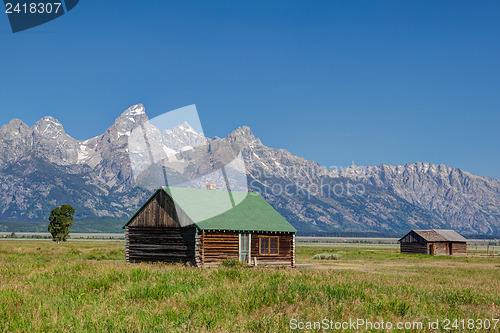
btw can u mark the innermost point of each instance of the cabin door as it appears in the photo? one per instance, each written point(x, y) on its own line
point(245, 247)
point(431, 249)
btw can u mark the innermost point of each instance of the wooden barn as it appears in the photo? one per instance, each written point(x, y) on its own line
point(205, 227)
point(435, 242)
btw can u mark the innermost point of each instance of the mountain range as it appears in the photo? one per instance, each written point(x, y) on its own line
point(42, 167)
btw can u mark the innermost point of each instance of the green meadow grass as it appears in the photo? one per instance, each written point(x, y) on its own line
point(87, 287)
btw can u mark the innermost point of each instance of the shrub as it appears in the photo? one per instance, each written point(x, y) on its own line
point(233, 263)
point(327, 256)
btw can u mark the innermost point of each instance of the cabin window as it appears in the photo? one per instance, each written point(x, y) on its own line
point(269, 245)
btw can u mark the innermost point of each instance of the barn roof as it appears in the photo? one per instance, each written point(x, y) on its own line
point(451, 235)
point(439, 235)
point(251, 212)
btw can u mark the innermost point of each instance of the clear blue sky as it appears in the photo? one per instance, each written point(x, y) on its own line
point(333, 81)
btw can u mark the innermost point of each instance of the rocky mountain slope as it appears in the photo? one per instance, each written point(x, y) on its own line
point(467, 202)
point(42, 166)
point(377, 198)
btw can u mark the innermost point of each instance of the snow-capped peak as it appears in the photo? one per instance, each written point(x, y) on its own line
point(185, 127)
point(135, 110)
point(49, 120)
point(183, 137)
point(49, 126)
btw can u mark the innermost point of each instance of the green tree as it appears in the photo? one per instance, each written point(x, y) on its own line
point(61, 219)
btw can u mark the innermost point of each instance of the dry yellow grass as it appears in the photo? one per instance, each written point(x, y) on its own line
point(86, 286)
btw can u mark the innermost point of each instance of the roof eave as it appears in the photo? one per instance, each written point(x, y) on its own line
point(247, 230)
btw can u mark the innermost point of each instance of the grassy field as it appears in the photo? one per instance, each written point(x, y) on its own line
point(87, 286)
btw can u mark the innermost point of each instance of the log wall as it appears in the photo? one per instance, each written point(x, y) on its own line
point(218, 246)
point(414, 248)
point(440, 248)
point(286, 253)
point(156, 234)
point(172, 245)
point(459, 249)
point(450, 248)
point(198, 248)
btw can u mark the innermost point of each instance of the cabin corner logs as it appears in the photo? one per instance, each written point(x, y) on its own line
point(155, 234)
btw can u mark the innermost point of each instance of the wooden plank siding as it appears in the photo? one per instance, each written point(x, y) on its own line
point(413, 237)
point(160, 211)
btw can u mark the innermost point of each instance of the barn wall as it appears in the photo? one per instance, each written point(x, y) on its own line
point(172, 245)
point(286, 251)
point(414, 248)
point(412, 237)
point(450, 248)
point(441, 249)
point(459, 249)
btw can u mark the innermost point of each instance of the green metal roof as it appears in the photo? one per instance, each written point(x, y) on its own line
point(213, 210)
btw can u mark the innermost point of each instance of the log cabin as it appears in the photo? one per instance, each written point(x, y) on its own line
point(434, 242)
point(204, 227)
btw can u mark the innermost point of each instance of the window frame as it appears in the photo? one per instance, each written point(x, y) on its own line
point(269, 246)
